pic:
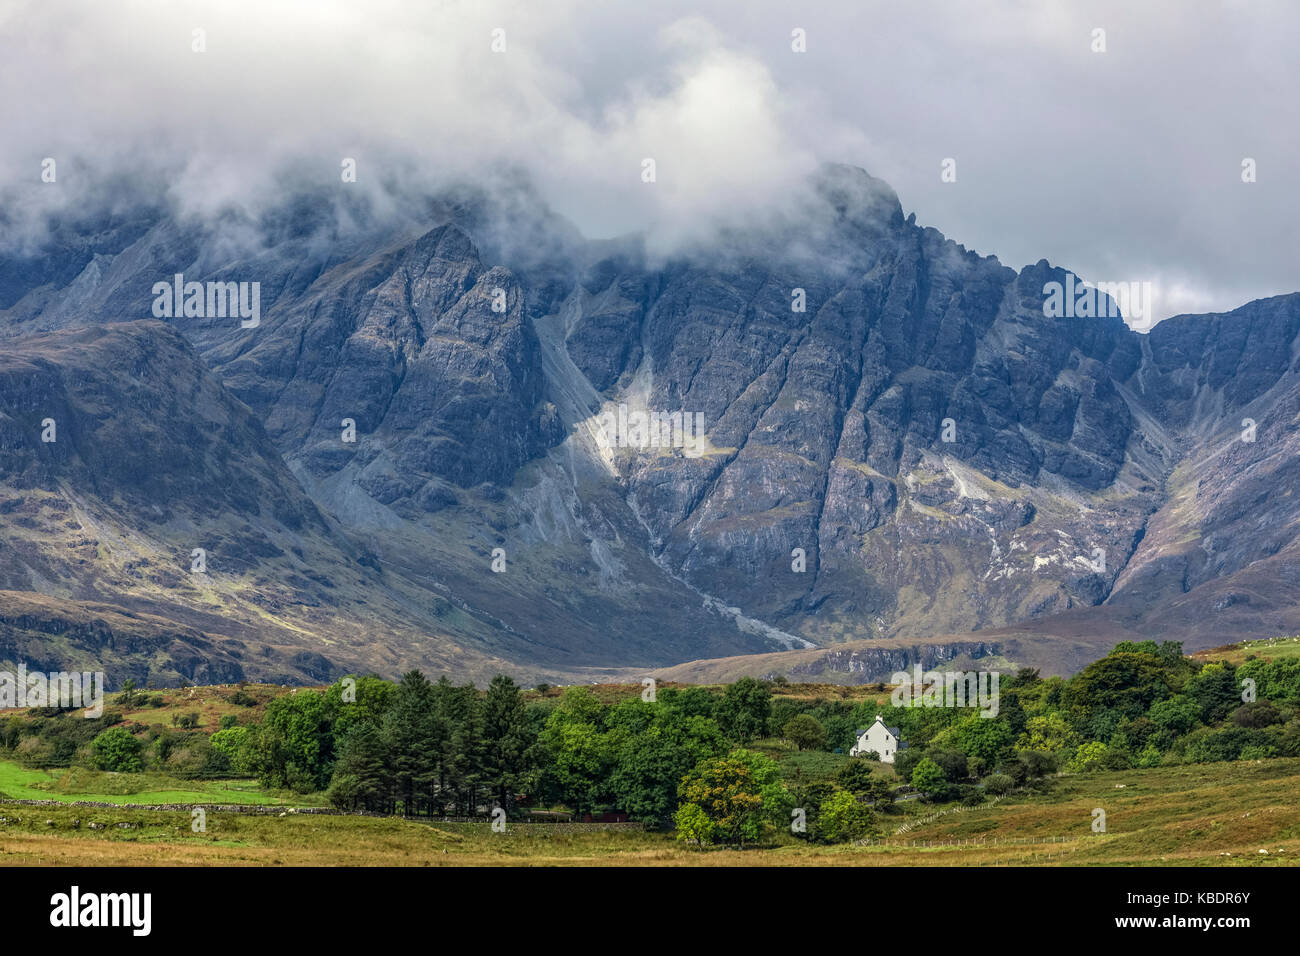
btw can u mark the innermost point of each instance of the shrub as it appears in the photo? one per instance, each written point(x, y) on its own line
point(905, 762)
point(116, 749)
point(1257, 752)
point(1088, 758)
point(952, 763)
point(1117, 758)
point(1037, 763)
point(843, 817)
point(806, 732)
point(1230, 743)
point(1177, 714)
point(35, 752)
point(998, 783)
point(857, 775)
point(1149, 757)
point(693, 824)
point(928, 777)
point(1263, 713)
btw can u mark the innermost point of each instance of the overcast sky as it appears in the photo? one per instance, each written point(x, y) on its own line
point(1123, 166)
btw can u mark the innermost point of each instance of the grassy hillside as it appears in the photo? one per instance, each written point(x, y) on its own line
point(1207, 814)
point(1273, 648)
point(247, 702)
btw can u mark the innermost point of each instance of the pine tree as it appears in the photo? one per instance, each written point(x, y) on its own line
point(362, 780)
point(413, 737)
point(508, 744)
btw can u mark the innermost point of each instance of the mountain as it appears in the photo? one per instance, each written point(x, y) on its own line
point(902, 456)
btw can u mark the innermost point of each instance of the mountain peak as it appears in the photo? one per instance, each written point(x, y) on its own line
point(857, 195)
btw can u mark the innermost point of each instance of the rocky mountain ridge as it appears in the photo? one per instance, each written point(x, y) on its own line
point(900, 445)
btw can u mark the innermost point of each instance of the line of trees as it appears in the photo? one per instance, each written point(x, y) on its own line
point(1143, 705)
point(418, 747)
point(432, 749)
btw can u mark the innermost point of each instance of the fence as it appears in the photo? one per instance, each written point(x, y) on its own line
point(913, 824)
point(280, 810)
point(996, 841)
point(187, 807)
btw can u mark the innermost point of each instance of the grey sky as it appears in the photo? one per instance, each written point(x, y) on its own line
point(1123, 165)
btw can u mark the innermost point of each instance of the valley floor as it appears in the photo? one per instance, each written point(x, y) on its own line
point(1205, 815)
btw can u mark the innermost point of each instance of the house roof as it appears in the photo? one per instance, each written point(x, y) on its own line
point(862, 730)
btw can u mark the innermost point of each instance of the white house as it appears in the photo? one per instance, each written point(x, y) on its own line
point(880, 739)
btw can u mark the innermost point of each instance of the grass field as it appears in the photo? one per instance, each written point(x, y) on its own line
point(1272, 648)
point(1214, 814)
point(21, 783)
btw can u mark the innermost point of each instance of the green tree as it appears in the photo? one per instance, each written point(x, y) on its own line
point(1216, 690)
point(805, 732)
point(905, 762)
point(647, 765)
point(1036, 763)
point(857, 775)
point(998, 783)
point(1125, 682)
point(693, 824)
point(295, 746)
point(1261, 713)
point(726, 790)
point(777, 800)
point(1177, 715)
point(116, 749)
point(509, 746)
point(362, 779)
point(372, 698)
point(459, 712)
point(691, 701)
point(844, 817)
point(988, 738)
point(952, 763)
point(128, 696)
point(743, 712)
point(928, 777)
point(233, 744)
point(1048, 732)
point(1277, 680)
point(1089, 757)
point(415, 737)
point(581, 758)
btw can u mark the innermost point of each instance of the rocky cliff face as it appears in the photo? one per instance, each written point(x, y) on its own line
point(897, 441)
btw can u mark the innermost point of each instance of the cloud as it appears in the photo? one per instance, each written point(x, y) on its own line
point(1123, 165)
point(415, 95)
